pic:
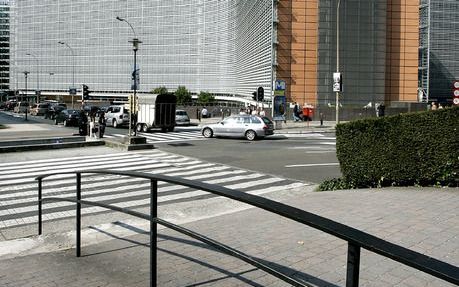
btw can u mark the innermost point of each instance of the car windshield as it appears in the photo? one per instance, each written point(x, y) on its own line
point(180, 113)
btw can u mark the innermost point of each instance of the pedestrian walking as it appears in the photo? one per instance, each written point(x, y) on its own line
point(204, 112)
point(92, 126)
point(102, 124)
point(296, 112)
point(83, 124)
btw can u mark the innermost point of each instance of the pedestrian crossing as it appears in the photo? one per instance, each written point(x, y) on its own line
point(158, 137)
point(189, 135)
point(19, 189)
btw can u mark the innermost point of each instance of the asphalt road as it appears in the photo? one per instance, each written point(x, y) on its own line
point(310, 159)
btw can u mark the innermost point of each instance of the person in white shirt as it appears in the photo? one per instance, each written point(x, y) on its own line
point(204, 112)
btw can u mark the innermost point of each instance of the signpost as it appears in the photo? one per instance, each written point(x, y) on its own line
point(279, 103)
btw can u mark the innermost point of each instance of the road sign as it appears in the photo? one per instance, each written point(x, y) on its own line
point(456, 93)
point(72, 91)
point(456, 101)
point(279, 85)
point(279, 88)
point(456, 84)
point(337, 82)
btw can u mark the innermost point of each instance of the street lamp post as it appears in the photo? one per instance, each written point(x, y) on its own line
point(135, 44)
point(38, 76)
point(25, 76)
point(72, 89)
point(337, 59)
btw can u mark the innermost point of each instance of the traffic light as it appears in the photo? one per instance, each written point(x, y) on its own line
point(85, 93)
point(254, 97)
point(261, 94)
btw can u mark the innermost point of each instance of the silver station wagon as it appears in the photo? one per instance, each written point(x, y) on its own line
point(249, 126)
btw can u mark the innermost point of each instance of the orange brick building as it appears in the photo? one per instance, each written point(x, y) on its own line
point(378, 50)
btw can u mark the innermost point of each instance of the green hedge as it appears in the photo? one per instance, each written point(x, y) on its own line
point(407, 149)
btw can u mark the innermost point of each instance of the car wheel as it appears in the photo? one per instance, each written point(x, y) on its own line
point(139, 127)
point(171, 129)
point(164, 130)
point(207, 133)
point(65, 123)
point(250, 135)
point(115, 124)
point(145, 128)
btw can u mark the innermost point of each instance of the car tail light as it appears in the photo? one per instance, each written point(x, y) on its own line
point(265, 127)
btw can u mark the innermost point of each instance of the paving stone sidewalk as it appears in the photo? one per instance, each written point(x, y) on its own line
point(425, 220)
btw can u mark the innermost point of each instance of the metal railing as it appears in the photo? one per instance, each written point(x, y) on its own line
point(356, 239)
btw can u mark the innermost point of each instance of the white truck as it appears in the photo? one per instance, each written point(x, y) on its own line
point(156, 111)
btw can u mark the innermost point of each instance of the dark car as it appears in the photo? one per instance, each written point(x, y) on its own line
point(54, 109)
point(9, 106)
point(67, 117)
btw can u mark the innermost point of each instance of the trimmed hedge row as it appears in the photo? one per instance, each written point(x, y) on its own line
point(408, 149)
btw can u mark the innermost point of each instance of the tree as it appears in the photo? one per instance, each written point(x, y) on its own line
point(160, 90)
point(205, 98)
point(183, 95)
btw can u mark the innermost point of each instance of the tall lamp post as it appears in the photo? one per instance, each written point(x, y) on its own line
point(135, 44)
point(25, 76)
point(337, 59)
point(38, 77)
point(72, 90)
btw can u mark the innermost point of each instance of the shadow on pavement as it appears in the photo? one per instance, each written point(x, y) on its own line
point(301, 276)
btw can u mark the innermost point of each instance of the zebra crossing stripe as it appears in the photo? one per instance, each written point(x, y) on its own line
point(8, 165)
point(129, 204)
point(19, 201)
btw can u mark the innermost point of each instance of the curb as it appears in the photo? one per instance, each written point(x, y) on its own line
point(45, 146)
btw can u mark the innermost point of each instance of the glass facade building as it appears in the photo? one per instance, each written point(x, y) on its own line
point(219, 46)
point(231, 47)
point(438, 49)
point(4, 45)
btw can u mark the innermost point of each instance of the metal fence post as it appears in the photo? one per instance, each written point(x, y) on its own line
point(153, 230)
point(78, 215)
point(353, 265)
point(39, 206)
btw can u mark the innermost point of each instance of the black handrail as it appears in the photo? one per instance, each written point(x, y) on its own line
point(356, 239)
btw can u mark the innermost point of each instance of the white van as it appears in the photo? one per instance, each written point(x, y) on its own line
point(117, 116)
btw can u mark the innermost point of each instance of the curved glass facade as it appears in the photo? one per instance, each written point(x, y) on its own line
point(220, 46)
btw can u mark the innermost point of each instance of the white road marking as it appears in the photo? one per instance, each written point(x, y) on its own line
point(312, 164)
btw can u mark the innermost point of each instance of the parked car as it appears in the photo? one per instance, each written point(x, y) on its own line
point(39, 109)
point(9, 105)
point(22, 107)
point(181, 118)
point(117, 116)
point(67, 117)
point(249, 126)
point(54, 109)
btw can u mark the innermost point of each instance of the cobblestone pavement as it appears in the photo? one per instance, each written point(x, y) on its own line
point(425, 220)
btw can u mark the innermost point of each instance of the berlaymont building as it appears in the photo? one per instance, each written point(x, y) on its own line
point(231, 47)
